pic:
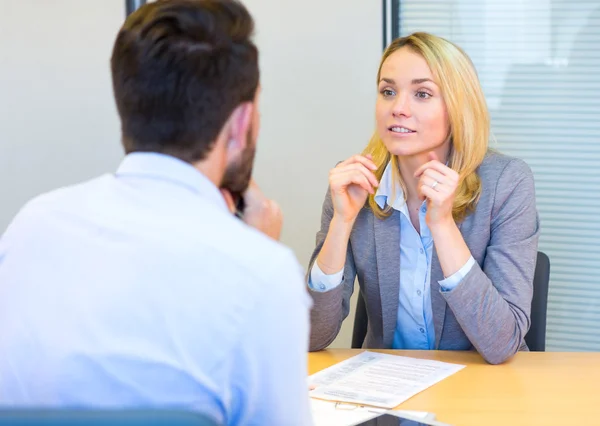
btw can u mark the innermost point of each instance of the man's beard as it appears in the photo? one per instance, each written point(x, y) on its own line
point(238, 174)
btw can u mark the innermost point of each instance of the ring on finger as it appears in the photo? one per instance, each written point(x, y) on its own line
point(434, 184)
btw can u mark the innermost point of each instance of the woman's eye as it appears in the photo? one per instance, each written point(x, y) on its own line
point(423, 95)
point(387, 92)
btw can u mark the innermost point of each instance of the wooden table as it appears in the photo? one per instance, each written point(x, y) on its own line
point(533, 388)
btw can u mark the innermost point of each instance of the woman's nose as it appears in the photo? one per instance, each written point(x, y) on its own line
point(401, 106)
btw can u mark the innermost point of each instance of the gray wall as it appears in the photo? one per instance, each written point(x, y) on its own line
point(319, 63)
point(58, 124)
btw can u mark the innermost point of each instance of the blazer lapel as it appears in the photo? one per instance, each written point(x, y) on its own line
point(387, 249)
point(438, 303)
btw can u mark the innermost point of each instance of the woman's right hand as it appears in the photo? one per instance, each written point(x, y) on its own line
point(351, 182)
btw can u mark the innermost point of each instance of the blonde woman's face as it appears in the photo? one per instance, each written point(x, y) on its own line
point(411, 114)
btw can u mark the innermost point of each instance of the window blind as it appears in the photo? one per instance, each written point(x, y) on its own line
point(539, 65)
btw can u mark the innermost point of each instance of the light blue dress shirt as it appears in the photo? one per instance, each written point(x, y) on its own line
point(414, 326)
point(140, 289)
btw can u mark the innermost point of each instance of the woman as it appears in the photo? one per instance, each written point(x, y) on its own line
point(441, 232)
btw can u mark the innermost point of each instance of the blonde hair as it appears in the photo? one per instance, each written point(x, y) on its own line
point(468, 115)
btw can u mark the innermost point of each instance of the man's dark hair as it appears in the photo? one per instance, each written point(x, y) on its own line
point(179, 69)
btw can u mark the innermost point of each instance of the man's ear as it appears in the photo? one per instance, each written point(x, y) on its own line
point(240, 122)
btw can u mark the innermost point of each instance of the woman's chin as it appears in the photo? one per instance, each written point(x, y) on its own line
point(408, 148)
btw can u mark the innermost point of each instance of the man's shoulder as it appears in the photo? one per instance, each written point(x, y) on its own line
point(246, 268)
point(57, 199)
point(248, 249)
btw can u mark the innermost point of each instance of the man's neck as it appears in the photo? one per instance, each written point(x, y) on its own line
point(213, 165)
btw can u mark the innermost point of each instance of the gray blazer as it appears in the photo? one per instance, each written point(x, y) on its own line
point(488, 311)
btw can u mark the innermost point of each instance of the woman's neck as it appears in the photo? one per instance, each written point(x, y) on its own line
point(410, 164)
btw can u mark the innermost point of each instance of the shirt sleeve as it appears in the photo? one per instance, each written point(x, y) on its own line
point(321, 282)
point(453, 280)
point(272, 358)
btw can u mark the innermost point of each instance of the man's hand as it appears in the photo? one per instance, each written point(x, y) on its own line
point(260, 212)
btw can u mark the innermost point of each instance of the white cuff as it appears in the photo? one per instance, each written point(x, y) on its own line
point(453, 280)
point(320, 282)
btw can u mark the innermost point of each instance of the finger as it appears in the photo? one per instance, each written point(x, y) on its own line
point(430, 194)
point(433, 164)
point(436, 165)
point(438, 187)
point(253, 193)
point(367, 162)
point(228, 200)
point(275, 209)
point(424, 167)
point(419, 192)
point(368, 173)
point(429, 183)
point(434, 175)
point(252, 184)
point(361, 180)
point(352, 177)
point(358, 167)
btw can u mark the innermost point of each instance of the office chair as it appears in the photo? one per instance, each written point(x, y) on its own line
point(71, 417)
point(535, 337)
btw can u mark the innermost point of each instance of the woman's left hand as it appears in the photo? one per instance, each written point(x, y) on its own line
point(437, 184)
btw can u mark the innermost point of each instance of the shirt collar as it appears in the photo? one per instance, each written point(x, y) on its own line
point(389, 192)
point(170, 169)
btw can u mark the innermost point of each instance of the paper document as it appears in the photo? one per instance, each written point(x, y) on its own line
point(380, 380)
point(325, 413)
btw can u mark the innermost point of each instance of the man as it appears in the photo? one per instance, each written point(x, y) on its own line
point(141, 288)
